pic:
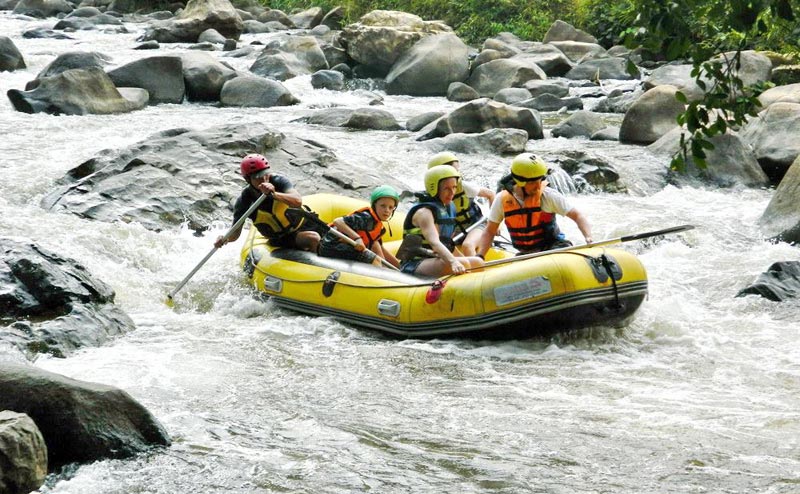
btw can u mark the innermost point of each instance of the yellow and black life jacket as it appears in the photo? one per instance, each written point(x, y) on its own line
point(272, 221)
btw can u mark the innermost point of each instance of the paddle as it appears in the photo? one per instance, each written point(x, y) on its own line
point(169, 301)
point(313, 217)
point(618, 240)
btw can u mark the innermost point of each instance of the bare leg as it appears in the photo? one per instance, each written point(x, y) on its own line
point(307, 241)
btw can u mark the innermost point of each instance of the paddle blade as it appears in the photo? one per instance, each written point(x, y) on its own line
point(169, 302)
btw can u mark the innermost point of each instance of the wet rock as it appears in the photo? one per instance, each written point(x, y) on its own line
point(419, 121)
point(204, 76)
point(23, 454)
point(290, 56)
point(198, 16)
point(429, 66)
point(779, 283)
point(579, 124)
point(781, 219)
point(359, 118)
point(184, 175)
point(731, 163)
point(80, 422)
point(51, 304)
point(458, 91)
point(327, 79)
point(789, 93)
point(42, 8)
point(255, 92)
point(482, 115)
point(68, 61)
point(381, 37)
point(334, 18)
point(550, 102)
point(773, 136)
point(602, 68)
point(591, 173)
point(677, 75)
point(493, 76)
point(494, 141)
point(74, 92)
point(651, 116)
point(10, 57)
point(161, 76)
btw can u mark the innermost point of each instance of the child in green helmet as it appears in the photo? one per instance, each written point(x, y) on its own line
point(365, 226)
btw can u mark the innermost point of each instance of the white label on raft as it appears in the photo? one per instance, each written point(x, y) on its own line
point(514, 292)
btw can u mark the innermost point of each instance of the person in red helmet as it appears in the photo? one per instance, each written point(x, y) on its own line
point(273, 218)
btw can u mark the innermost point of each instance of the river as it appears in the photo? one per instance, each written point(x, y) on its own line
point(699, 393)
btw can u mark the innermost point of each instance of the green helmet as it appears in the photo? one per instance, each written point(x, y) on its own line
point(383, 191)
point(436, 174)
point(527, 167)
point(443, 158)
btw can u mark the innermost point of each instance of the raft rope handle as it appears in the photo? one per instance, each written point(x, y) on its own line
point(609, 270)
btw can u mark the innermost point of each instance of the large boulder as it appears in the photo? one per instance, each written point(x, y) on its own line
point(493, 141)
point(484, 114)
point(678, 75)
point(563, 31)
point(161, 76)
point(731, 163)
point(602, 68)
point(198, 16)
point(76, 92)
point(23, 454)
point(789, 93)
point(579, 124)
point(550, 59)
point(204, 76)
point(42, 8)
point(503, 73)
point(255, 92)
point(651, 116)
point(81, 422)
point(779, 283)
point(290, 56)
point(70, 60)
point(577, 51)
point(428, 67)
point(358, 118)
point(51, 304)
point(10, 57)
point(781, 219)
point(773, 136)
point(191, 176)
point(381, 37)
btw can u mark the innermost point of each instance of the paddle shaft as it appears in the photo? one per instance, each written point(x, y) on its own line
point(353, 243)
point(227, 234)
point(618, 240)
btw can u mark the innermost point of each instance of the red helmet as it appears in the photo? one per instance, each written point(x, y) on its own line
point(253, 163)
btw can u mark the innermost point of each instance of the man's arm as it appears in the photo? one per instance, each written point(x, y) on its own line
point(583, 223)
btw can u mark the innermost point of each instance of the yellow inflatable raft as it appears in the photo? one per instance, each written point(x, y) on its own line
point(510, 297)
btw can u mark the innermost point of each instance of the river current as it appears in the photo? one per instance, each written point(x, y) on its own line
point(699, 393)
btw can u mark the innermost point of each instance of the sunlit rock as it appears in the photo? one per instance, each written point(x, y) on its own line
point(23, 454)
point(74, 92)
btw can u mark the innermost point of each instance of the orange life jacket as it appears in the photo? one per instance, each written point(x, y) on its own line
point(371, 236)
point(530, 228)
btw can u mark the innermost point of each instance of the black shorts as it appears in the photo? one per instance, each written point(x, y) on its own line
point(290, 239)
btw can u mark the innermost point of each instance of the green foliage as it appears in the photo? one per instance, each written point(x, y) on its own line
point(472, 20)
point(699, 30)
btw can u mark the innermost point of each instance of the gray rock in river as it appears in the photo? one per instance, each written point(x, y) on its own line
point(52, 304)
point(80, 421)
point(184, 175)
